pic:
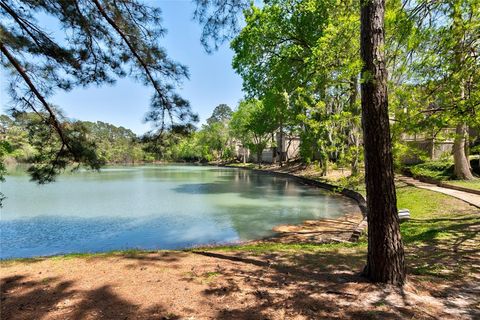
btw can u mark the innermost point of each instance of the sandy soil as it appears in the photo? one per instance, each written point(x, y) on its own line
point(307, 171)
point(319, 231)
point(221, 285)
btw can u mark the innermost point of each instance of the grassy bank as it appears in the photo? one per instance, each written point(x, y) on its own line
point(439, 229)
point(470, 184)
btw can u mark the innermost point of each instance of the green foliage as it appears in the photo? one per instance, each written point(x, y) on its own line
point(116, 144)
point(301, 59)
point(309, 50)
point(407, 153)
point(26, 139)
point(221, 114)
point(212, 142)
point(435, 74)
point(252, 125)
point(298, 58)
point(438, 170)
point(97, 42)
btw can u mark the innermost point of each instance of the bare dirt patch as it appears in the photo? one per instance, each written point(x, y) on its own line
point(319, 231)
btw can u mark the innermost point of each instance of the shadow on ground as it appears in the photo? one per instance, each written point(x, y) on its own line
point(291, 282)
point(233, 285)
point(47, 298)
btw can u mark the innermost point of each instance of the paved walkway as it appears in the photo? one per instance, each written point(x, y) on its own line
point(471, 198)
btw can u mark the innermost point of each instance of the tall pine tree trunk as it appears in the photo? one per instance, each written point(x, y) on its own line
point(385, 260)
point(462, 168)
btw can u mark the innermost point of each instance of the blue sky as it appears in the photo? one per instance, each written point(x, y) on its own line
point(212, 79)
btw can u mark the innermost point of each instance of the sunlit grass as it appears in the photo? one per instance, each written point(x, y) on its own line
point(471, 184)
point(264, 247)
point(76, 255)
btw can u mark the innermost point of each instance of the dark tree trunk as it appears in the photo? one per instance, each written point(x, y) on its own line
point(282, 144)
point(354, 133)
point(259, 156)
point(385, 260)
point(462, 168)
point(274, 149)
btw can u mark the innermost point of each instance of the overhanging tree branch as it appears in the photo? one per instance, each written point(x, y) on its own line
point(52, 117)
point(132, 50)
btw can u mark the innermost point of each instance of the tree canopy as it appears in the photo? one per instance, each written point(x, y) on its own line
point(95, 43)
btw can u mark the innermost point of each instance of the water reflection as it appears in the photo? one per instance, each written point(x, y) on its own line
point(153, 207)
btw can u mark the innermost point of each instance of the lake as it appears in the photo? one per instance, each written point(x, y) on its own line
point(153, 207)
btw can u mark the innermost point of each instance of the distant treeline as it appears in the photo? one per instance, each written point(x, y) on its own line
point(22, 142)
point(113, 144)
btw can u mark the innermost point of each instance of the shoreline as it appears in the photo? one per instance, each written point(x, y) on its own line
point(360, 226)
point(311, 182)
point(283, 233)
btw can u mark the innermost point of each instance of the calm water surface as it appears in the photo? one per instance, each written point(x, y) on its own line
point(153, 207)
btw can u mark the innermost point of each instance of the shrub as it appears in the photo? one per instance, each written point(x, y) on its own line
point(438, 170)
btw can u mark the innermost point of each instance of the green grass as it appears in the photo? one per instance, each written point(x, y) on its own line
point(421, 203)
point(434, 216)
point(441, 233)
point(244, 165)
point(265, 247)
point(128, 253)
point(470, 184)
point(438, 225)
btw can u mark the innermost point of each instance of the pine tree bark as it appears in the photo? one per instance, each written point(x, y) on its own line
point(385, 260)
point(461, 164)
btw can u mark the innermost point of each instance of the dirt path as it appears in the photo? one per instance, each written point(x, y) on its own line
point(221, 285)
point(470, 198)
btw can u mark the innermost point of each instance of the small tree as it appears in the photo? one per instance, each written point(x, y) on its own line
point(252, 124)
